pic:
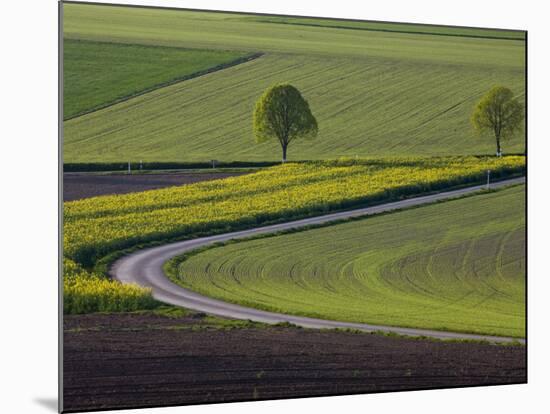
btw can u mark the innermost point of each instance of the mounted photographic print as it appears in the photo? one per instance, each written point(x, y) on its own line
point(262, 207)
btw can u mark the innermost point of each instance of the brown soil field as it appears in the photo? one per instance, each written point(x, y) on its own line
point(81, 185)
point(145, 360)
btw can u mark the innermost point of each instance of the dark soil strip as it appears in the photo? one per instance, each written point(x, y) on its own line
point(79, 186)
point(117, 361)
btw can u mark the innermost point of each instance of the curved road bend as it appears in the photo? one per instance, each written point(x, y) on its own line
point(144, 267)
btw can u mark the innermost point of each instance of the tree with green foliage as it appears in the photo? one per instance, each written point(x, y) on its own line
point(498, 112)
point(282, 113)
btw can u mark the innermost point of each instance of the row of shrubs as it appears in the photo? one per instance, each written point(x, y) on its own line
point(150, 166)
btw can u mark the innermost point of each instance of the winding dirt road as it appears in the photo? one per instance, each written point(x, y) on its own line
point(144, 268)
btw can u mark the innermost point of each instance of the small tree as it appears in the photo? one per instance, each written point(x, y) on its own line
point(282, 113)
point(498, 112)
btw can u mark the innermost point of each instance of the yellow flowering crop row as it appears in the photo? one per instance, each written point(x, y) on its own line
point(97, 226)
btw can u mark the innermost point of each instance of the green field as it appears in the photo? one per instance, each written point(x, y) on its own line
point(98, 74)
point(393, 27)
point(457, 265)
point(374, 92)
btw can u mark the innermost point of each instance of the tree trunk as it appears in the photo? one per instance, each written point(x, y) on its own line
point(284, 152)
point(499, 150)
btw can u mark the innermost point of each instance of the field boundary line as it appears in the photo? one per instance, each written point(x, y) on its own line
point(243, 59)
point(369, 29)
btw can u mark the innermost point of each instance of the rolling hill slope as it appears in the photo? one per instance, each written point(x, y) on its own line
point(97, 74)
point(374, 93)
point(458, 266)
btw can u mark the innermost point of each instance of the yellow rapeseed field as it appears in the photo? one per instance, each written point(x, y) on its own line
point(85, 292)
